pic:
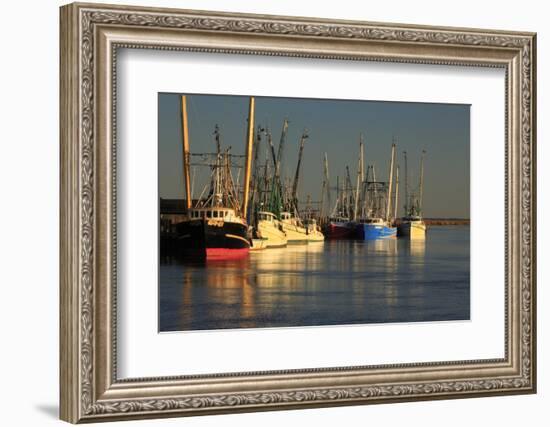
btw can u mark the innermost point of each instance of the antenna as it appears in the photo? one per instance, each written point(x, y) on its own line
point(390, 185)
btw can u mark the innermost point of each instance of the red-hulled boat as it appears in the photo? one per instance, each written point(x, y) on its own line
point(339, 228)
point(216, 227)
point(213, 233)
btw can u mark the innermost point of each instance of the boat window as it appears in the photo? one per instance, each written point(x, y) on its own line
point(209, 214)
point(215, 214)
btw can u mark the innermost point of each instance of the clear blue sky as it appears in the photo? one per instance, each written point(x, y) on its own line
point(443, 130)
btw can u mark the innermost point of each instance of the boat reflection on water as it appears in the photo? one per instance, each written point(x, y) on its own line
point(231, 287)
point(381, 246)
point(222, 283)
point(417, 248)
point(337, 282)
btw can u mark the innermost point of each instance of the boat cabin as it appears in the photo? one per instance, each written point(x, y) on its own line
point(288, 218)
point(338, 219)
point(227, 214)
point(286, 215)
point(266, 216)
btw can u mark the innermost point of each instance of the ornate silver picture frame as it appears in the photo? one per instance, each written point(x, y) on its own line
point(91, 34)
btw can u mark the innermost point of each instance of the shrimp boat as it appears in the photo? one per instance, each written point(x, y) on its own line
point(314, 233)
point(339, 224)
point(215, 228)
point(271, 230)
point(339, 228)
point(266, 192)
point(215, 232)
point(375, 228)
point(378, 223)
point(412, 226)
point(296, 232)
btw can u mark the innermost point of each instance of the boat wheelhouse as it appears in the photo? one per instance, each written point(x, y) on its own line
point(295, 231)
point(271, 230)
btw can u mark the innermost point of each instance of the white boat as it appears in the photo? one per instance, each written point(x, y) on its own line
point(271, 230)
point(413, 228)
point(296, 233)
point(314, 233)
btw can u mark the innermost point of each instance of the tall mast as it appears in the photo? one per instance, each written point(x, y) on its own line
point(297, 174)
point(362, 156)
point(186, 157)
point(337, 205)
point(255, 168)
point(272, 147)
point(421, 182)
point(279, 157)
point(374, 189)
point(390, 185)
point(277, 186)
point(349, 193)
point(327, 177)
point(396, 191)
point(215, 183)
point(406, 185)
point(325, 188)
point(218, 139)
point(322, 203)
point(359, 177)
point(248, 158)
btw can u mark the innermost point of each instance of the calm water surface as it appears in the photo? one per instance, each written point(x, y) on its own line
point(332, 283)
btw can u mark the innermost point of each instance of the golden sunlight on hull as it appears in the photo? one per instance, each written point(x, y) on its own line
point(272, 235)
point(315, 236)
point(295, 234)
point(258, 244)
point(414, 230)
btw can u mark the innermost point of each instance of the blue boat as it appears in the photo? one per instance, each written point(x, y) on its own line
point(375, 228)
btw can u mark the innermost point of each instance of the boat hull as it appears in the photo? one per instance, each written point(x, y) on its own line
point(295, 235)
point(376, 231)
point(339, 230)
point(258, 244)
point(212, 239)
point(414, 230)
point(274, 237)
point(315, 236)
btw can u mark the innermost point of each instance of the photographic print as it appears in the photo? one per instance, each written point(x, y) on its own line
point(288, 212)
point(278, 187)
